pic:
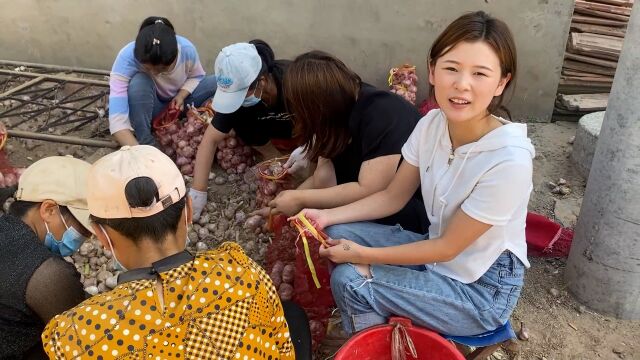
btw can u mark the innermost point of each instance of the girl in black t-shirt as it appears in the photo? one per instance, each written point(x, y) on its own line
point(355, 133)
point(249, 101)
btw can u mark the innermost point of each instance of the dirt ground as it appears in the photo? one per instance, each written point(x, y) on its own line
point(558, 326)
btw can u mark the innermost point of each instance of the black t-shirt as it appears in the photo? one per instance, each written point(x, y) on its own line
point(380, 124)
point(35, 285)
point(258, 124)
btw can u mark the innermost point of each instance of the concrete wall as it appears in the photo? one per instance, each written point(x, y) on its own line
point(369, 35)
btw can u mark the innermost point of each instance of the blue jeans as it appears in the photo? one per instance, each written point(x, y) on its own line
point(144, 103)
point(429, 299)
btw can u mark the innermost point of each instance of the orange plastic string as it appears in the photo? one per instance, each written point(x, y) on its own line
point(263, 166)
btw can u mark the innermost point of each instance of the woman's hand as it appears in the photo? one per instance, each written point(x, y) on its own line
point(287, 202)
point(177, 103)
point(343, 251)
point(318, 218)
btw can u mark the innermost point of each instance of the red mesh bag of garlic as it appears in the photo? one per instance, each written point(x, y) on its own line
point(311, 284)
point(272, 179)
point(180, 141)
point(9, 175)
point(404, 82)
point(233, 155)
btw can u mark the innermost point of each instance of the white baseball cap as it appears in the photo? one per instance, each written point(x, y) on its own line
point(237, 66)
point(109, 176)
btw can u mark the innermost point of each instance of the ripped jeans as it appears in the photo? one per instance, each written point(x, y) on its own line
point(429, 299)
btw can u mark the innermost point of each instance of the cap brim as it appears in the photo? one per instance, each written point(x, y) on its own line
point(226, 102)
point(82, 215)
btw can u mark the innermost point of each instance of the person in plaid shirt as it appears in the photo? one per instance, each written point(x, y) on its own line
point(172, 304)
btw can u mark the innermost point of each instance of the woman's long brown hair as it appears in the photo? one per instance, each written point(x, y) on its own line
point(320, 91)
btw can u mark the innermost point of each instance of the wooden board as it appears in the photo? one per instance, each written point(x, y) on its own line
point(611, 9)
point(583, 74)
point(596, 45)
point(584, 102)
point(588, 68)
point(602, 14)
point(625, 3)
point(591, 60)
point(586, 19)
point(598, 29)
point(582, 80)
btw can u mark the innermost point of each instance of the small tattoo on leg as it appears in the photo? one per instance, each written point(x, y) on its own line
point(346, 247)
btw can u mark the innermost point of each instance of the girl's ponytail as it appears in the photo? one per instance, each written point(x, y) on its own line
point(156, 42)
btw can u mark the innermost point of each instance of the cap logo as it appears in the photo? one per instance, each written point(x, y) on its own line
point(224, 82)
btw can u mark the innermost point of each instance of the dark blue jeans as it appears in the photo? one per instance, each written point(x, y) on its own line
point(144, 103)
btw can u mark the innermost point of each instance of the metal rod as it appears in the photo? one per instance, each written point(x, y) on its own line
point(37, 103)
point(57, 121)
point(82, 98)
point(63, 139)
point(70, 79)
point(21, 87)
point(66, 122)
point(8, 112)
point(79, 126)
point(38, 90)
point(55, 67)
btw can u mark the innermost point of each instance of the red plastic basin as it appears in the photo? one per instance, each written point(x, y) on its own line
point(375, 344)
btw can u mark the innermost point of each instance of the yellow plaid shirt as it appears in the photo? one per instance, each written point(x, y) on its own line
point(216, 305)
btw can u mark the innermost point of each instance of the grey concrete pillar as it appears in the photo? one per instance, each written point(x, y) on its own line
point(603, 270)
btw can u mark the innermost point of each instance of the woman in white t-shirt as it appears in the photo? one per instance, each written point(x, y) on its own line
point(475, 170)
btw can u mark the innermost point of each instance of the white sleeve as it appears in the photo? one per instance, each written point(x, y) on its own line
point(499, 192)
point(411, 148)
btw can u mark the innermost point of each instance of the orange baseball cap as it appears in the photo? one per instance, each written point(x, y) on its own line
point(109, 176)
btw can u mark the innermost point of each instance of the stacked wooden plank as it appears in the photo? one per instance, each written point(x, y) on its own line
point(593, 48)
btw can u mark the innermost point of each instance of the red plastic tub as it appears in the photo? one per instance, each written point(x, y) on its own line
point(375, 344)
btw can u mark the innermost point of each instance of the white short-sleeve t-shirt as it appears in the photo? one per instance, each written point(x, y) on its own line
point(490, 180)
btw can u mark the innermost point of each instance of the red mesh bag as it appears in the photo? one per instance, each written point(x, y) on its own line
point(312, 288)
point(180, 141)
point(427, 105)
point(547, 238)
point(164, 125)
point(9, 175)
point(233, 155)
point(404, 82)
point(272, 178)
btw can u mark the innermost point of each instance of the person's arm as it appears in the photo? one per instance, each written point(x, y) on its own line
point(461, 232)
point(379, 205)
point(124, 68)
point(125, 137)
point(204, 157)
point(323, 176)
point(375, 175)
point(54, 288)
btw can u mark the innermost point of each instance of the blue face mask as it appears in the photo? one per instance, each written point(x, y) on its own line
point(252, 100)
point(71, 240)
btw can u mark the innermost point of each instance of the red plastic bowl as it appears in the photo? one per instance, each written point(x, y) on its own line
point(375, 344)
